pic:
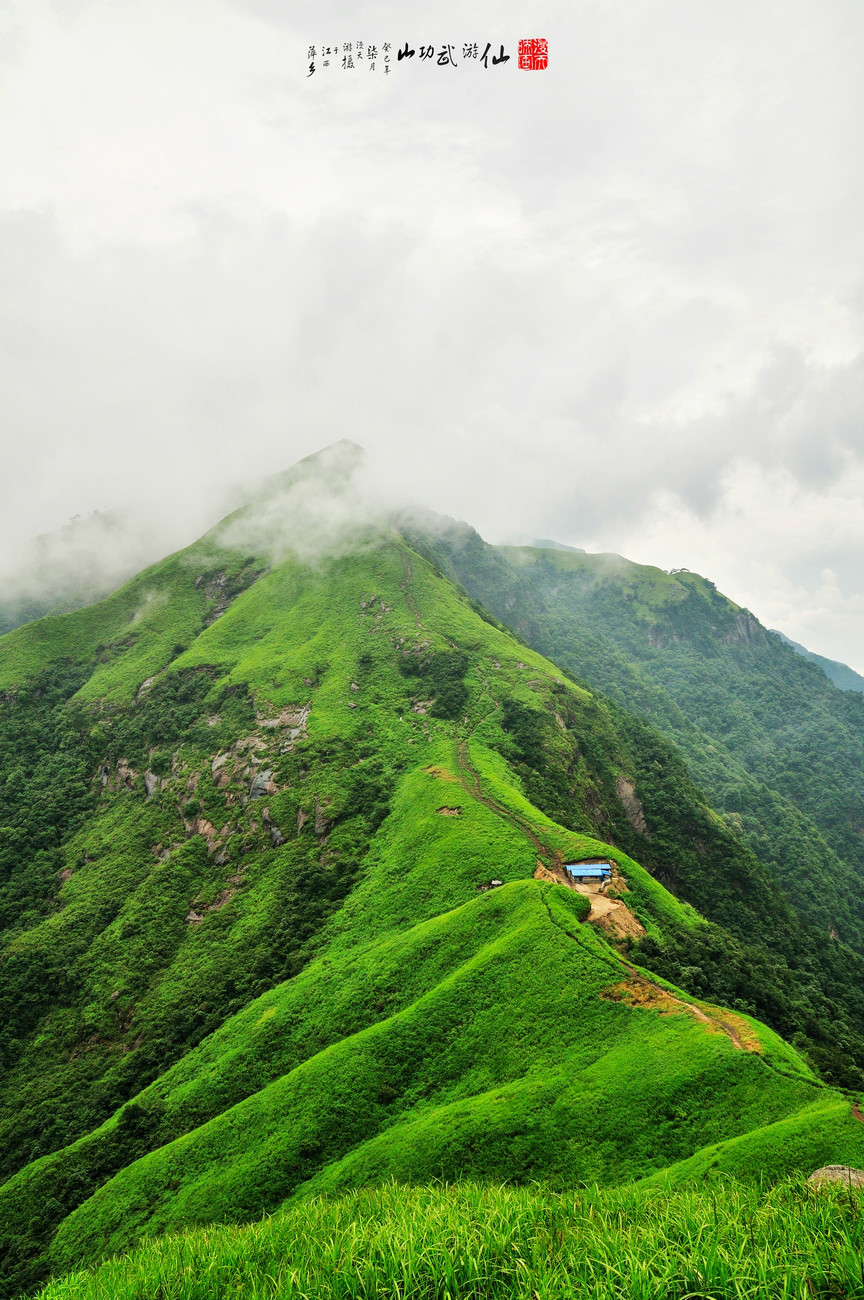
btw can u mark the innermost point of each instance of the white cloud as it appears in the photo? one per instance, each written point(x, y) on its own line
point(618, 302)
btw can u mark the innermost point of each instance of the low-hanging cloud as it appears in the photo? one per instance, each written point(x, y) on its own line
point(619, 304)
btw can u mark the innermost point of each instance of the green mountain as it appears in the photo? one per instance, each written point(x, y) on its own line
point(252, 807)
point(778, 749)
point(840, 674)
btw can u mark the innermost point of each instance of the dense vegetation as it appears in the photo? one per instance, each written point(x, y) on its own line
point(725, 1240)
point(251, 952)
point(776, 746)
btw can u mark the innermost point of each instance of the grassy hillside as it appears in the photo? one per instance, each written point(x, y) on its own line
point(777, 748)
point(505, 1243)
point(250, 810)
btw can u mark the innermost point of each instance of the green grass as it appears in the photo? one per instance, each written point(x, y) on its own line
point(204, 1036)
point(521, 1086)
point(722, 1241)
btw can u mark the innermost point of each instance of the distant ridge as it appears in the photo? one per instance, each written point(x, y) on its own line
point(546, 544)
point(253, 806)
point(840, 674)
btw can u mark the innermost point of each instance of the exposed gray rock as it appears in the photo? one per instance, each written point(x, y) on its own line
point(151, 783)
point(262, 783)
point(276, 836)
point(632, 806)
point(322, 825)
point(837, 1174)
point(125, 774)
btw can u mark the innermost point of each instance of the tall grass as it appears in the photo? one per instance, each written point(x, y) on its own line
point(473, 1242)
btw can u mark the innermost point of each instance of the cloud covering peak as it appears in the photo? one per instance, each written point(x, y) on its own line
point(617, 303)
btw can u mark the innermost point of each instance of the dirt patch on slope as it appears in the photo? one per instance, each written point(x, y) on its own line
point(440, 773)
point(613, 916)
point(608, 914)
point(554, 873)
point(639, 992)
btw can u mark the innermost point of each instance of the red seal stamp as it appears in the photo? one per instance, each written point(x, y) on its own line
point(534, 55)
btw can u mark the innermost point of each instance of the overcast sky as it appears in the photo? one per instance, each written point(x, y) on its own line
point(617, 302)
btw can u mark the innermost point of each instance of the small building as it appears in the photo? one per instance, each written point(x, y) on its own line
point(588, 873)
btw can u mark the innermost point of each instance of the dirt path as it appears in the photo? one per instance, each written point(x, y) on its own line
point(856, 1111)
point(729, 1030)
point(405, 584)
point(601, 907)
point(470, 780)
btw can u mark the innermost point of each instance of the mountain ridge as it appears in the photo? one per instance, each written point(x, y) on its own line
point(672, 649)
point(252, 807)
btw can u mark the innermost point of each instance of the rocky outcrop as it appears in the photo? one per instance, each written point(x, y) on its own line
point(293, 718)
point(276, 836)
point(322, 824)
point(747, 629)
point(842, 1174)
point(631, 804)
point(122, 777)
point(262, 784)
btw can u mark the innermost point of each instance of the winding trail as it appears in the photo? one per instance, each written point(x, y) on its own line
point(469, 777)
point(718, 1022)
point(615, 961)
point(470, 781)
point(405, 584)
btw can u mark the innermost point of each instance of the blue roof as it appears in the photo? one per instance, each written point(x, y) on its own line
point(589, 868)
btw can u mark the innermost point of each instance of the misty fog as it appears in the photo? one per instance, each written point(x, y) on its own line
point(617, 303)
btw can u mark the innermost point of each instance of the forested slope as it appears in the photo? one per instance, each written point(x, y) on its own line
point(251, 808)
point(777, 746)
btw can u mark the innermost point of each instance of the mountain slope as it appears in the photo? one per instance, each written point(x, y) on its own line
point(778, 748)
point(251, 810)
